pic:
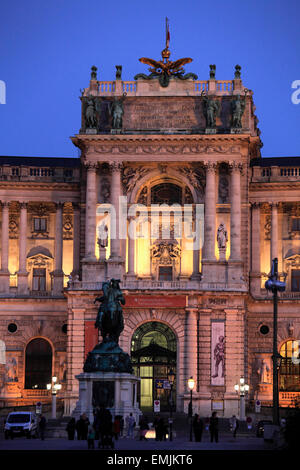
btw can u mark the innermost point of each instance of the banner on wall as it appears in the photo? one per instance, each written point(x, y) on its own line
point(217, 352)
point(91, 336)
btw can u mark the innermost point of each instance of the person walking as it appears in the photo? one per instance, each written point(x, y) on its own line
point(85, 426)
point(214, 427)
point(71, 429)
point(42, 427)
point(117, 427)
point(121, 426)
point(79, 427)
point(91, 437)
point(197, 428)
point(234, 425)
point(143, 428)
point(130, 425)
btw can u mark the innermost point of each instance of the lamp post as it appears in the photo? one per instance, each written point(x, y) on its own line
point(191, 385)
point(274, 285)
point(171, 377)
point(242, 389)
point(54, 387)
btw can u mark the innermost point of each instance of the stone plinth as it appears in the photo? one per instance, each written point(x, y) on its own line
point(116, 391)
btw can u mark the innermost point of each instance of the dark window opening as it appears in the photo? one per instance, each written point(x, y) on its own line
point(39, 279)
point(38, 364)
point(296, 280)
point(165, 273)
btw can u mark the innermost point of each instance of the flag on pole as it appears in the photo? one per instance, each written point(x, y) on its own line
point(167, 33)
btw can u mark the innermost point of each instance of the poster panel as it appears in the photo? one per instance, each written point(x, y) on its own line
point(217, 352)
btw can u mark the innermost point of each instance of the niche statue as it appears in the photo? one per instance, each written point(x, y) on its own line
point(116, 110)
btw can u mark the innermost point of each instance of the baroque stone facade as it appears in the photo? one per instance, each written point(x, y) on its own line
point(194, 287)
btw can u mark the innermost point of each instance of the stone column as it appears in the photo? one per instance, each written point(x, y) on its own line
point(4, 273)
point(76, 239)
point(22, 273)
point(274, 231)
point(75, 355)
point(235, 212)
point(191, 358)
point(131, 248)
point(210, 213)
point(90, 213)
point(196, 252)
point(116, 192)
point(255, 274)
point(58, 275)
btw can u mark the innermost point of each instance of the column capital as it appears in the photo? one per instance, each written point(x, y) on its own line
point(274, 204)
point(236, 166)
point(115, 166)
point(255, 205)
point(59, 205)
point(90, 166)
point(5, 204)
point(210, 166)
point(23, 205)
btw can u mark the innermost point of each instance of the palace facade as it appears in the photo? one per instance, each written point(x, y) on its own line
point(172, 174)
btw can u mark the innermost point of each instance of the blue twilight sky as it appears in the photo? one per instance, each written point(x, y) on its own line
point(48, 47)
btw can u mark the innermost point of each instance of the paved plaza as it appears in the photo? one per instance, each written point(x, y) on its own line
point(226, 442)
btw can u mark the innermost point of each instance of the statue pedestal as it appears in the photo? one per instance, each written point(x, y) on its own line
point(222, 254)
point(116, 391)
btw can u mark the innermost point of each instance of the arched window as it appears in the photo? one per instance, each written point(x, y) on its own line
point(289, 377)
point(38, 364)
point(166, 193)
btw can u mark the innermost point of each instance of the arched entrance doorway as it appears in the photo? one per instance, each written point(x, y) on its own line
point(153, 354)
point(38, 364)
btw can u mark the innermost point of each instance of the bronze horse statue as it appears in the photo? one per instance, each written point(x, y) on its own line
point(110, 316)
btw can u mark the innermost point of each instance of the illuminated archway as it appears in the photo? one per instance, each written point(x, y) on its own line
point(289, 374)
point(153, 354)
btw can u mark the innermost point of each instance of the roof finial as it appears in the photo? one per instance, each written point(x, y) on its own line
point(166, 53)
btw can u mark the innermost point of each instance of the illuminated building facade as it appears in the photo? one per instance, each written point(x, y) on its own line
point(193, 276)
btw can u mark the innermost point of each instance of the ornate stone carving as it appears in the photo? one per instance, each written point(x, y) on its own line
point(91, 120)
point(13, 225)
point(105, 190)
point(131, 176)
point(191, 148)
point(143, 197)
point(116, 110)
point(67, 227)
point(39, 210)
point(222, 237)
point(237, 109)
point(211, 108)
point(195, 176)
point(165, 253)
point(267, 227)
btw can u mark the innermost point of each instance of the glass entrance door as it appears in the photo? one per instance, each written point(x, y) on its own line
point(153, 354)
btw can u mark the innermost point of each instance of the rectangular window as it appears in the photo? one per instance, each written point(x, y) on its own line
point(39, 224)
point(165, 273)
point(296, 224)
point(296, 280)
point(39, 279)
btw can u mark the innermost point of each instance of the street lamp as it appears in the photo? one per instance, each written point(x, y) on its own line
point(274, 285)
point(191, 385)
point(54, 387)
point(242, 389)
point(171, 377)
